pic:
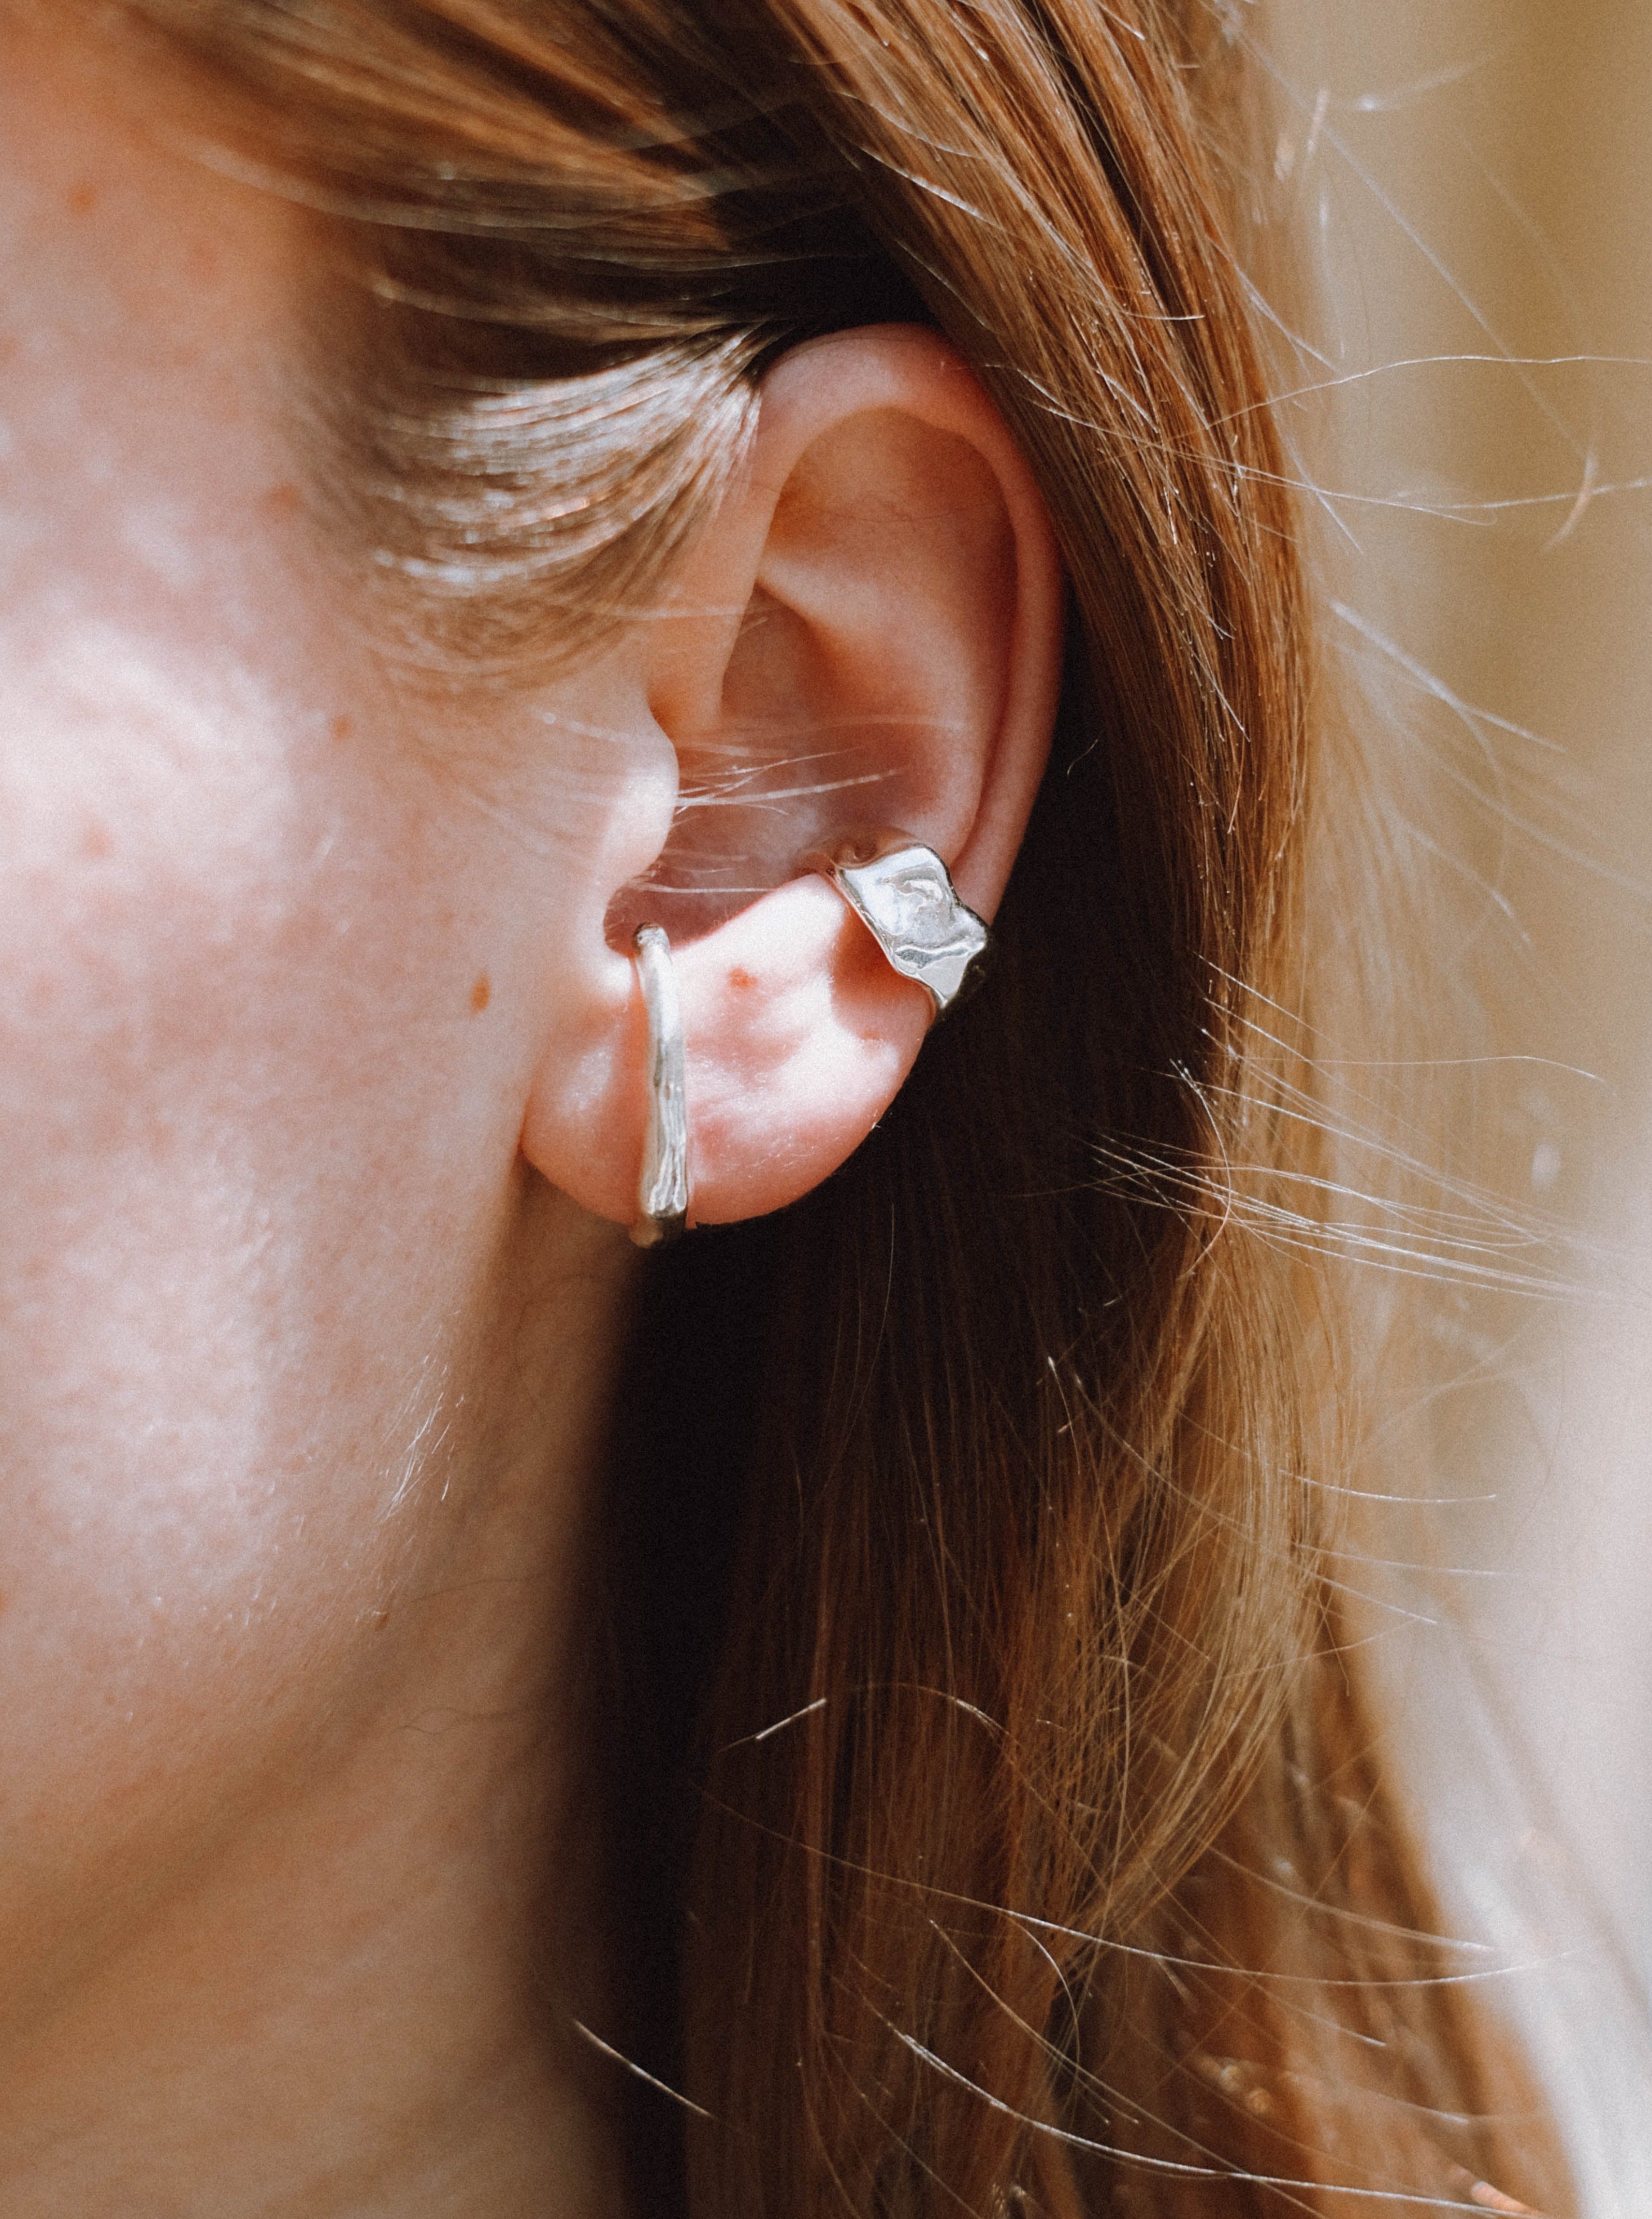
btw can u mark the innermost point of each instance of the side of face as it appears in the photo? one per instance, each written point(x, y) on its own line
point(321, 1092)
point(266, 1024)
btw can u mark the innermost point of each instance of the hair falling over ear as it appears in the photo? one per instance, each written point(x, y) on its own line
point(1042, 1860)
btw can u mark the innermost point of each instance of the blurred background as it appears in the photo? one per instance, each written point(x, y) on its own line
point(1475, 181)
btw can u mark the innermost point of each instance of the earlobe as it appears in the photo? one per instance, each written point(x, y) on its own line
point(868, 631)
point(799, 1039)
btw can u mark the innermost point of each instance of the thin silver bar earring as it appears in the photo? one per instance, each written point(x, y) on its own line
point(662, 1192)
point(902, 893)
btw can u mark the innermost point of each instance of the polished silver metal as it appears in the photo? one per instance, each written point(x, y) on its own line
point(662, 1192)
point(902, 893)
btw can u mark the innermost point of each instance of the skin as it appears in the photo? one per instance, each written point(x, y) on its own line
point(321, 1108)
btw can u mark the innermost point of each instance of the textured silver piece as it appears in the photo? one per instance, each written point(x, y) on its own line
point(902, 893)
point(662, 1192)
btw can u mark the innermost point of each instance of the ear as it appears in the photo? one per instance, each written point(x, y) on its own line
point(867, 631)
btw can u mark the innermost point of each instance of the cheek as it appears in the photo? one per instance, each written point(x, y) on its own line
point(248, 1119)
point(258, 1112)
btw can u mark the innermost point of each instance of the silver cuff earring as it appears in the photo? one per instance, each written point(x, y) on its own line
point(662, 1192)
point(902, 893)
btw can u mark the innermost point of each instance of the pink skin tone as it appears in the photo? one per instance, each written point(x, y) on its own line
point(320, 1105)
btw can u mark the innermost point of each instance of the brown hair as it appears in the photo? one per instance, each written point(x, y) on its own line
point(1040, 1852)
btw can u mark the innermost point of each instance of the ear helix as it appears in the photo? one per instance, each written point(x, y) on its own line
point(901, 891)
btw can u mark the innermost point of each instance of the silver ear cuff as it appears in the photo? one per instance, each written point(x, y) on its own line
point(662, 1191)
point(902, 893)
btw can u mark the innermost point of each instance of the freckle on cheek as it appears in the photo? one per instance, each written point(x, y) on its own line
point(82, 200)
point(481, 994)
point(341, 727)
point(96, 843)
point(741, 980)
point(282, 500)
